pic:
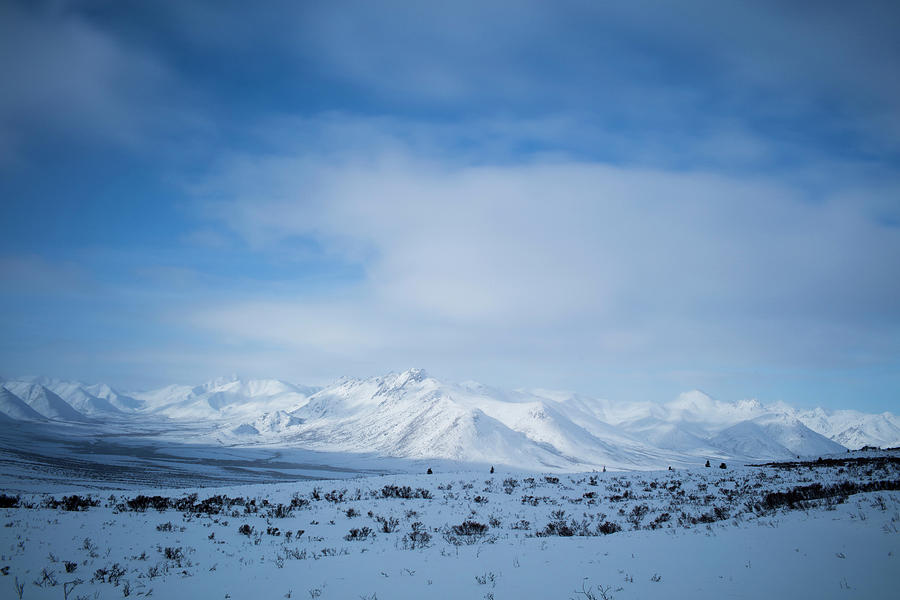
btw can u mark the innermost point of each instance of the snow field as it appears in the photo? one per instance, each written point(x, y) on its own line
point(699, 533)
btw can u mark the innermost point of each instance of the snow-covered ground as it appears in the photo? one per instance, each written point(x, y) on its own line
point(826, 529)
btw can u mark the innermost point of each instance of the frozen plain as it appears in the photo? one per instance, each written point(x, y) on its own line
point(689, 533)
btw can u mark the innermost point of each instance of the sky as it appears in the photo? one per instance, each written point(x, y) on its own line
point(623, 199)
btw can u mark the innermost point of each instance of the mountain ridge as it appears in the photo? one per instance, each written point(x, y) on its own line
point(413, 415)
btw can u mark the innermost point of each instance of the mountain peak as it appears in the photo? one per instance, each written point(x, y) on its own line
point(415, 374)
point(749, 404)
point(406, 377)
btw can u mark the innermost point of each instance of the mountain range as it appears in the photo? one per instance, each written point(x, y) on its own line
point(412, 415)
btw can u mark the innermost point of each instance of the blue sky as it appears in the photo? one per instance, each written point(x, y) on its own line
point(626, 199)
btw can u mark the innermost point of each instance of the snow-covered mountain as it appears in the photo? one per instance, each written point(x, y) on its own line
point(80, 399)
point(854, 429)
point(773, 436)
point(412, 415)
point(44, 401)
point(224, 398)
point(14, 408)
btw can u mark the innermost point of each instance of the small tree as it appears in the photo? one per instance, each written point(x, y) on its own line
point(430, 472)
point(722, 466)
point(492, 469)
point(707, 463)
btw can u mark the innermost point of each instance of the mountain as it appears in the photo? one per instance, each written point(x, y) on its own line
point(774, 436)
point(854, 429)
point(80, 399)
point(121, 401)
point(14, 408)
point(277, 423)
point(413, 415)
point(44, 401)
point(224, 398)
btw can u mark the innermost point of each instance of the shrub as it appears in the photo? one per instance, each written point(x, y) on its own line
point(637, 514)
point(560, 528)
point(335, 496)
point(388, 525)
point(470, 528)
point(417, 538)
point(393, 491)
point(72, 503)
point(405, 492)
point(802, 494)
point(359, 534)
point(174, 554)
point(608, 527)
point(245, 529)
point(280, 511)
point(9, 501)
point(141, 503)
point(659, 520)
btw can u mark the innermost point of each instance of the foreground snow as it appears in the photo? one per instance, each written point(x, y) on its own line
point(698, 533)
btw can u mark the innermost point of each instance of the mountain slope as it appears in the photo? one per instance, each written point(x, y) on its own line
point(854, 429)
point(80, 399)
point(412, 415)
point(44, 401)
point(16, 409)
point(123, 402)
point(225, 398)
point(773, 436)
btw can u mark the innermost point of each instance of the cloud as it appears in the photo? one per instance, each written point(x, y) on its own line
point(555, 263)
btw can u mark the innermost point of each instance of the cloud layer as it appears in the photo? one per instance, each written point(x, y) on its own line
point(560, 263)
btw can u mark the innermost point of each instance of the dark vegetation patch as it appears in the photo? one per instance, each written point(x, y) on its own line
point(850, 461)
point(9, 501)
point(404, 491)
point(801, 496)
point(71, 503)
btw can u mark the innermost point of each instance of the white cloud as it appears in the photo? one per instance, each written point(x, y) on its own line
point(553, 264)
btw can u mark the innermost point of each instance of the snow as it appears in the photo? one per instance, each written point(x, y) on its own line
point(14, 408)
point(44, 401)
point(697, 533)
point(778, 436)
point(411, 415)
point(532, 467)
